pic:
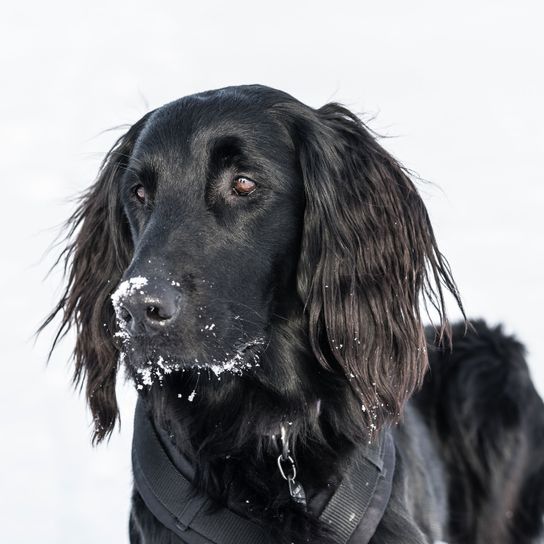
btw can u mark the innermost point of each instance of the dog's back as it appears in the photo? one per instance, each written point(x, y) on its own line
point(488, 421)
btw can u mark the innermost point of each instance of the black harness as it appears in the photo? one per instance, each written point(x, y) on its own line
point(353, 512)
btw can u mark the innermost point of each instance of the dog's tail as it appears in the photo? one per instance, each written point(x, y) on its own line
point(480, 402)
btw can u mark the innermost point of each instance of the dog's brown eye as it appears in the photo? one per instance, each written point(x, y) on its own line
point(243, 186)
point(139, 191)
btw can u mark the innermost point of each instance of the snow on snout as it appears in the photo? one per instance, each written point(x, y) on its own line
point(125, 289)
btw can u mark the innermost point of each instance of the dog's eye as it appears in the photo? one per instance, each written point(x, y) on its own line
point(140, 193)
point(243, 186)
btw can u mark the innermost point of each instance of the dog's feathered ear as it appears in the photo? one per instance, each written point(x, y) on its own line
point(98, 250)
point(369, 257)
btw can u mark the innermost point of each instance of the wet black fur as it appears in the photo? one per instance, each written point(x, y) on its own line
point(325, 264)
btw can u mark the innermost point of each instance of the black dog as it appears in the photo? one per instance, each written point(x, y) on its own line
point(258, 266)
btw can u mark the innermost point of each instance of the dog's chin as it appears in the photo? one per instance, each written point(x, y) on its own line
point(149, 365)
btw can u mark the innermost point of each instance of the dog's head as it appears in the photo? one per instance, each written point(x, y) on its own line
point(223, 217)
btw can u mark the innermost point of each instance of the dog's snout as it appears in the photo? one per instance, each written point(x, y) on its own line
point(150, 310)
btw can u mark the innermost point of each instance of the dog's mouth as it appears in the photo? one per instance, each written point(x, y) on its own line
point(154, 367)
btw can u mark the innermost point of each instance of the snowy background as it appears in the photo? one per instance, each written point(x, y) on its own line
point(459, 89)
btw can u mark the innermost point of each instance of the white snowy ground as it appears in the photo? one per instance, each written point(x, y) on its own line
point(460, 89)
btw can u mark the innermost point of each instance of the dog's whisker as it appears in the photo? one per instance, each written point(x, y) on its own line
point(241, 304)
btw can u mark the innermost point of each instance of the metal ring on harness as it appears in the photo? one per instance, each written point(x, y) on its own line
point(293, 468)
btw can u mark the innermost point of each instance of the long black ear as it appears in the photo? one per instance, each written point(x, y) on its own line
point(369, 258)
point(98, 250)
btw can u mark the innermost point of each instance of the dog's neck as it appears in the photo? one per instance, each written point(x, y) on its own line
point(231, 434)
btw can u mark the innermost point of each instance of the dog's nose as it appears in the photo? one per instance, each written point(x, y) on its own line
point(150, 309)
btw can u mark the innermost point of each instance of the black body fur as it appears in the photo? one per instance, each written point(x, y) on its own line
point(308, 288)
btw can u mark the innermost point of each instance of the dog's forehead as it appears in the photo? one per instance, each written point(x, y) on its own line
point(189, 131)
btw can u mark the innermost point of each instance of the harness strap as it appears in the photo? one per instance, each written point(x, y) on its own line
point(172, 498)
point(355, 509)
point(360, 500)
